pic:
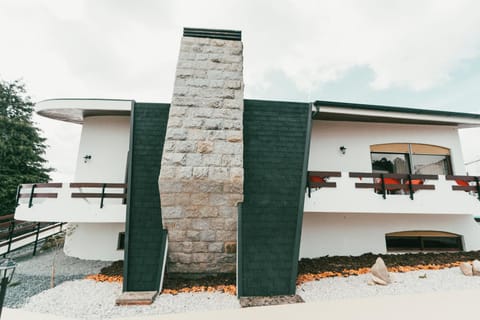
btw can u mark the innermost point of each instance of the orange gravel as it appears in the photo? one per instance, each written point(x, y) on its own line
point(302, 278)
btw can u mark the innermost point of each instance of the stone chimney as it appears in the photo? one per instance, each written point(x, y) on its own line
point(201, 178)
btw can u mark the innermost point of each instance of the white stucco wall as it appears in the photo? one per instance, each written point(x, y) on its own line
point(94, 241)
point(357, 137)
point(355, 234)
point(106, 139)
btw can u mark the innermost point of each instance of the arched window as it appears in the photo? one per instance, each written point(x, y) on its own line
point(411, 158)
point(423, 241)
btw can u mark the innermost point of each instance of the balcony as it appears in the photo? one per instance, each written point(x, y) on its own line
point(367, 192)
point(74, 202)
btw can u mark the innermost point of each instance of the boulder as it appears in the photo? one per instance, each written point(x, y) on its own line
point(476, 267)
point(380, 273)
point(466, 268)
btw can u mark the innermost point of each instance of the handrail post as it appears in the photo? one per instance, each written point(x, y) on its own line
point(308, 185)
point(36, 239)
point(11, 228)
point(478, 187)
point(32, 191)
point(19, 188)
point(103, 195)
point(383, 186)
point(410, 187)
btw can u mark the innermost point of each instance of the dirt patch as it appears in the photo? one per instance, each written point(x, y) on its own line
point(339, 263)
point(322, 266)
point(246, 302)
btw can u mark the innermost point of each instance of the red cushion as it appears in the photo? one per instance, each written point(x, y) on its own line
point(317, 179)
point(462, 183)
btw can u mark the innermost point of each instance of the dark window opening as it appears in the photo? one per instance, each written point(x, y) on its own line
point(121, 241)
point(427, 241)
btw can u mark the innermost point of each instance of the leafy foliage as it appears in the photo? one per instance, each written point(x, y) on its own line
point(21, 146)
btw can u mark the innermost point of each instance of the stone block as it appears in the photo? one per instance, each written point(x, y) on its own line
point(219, 173)
point(194, 123)
point(199, 224)
point(222, 235)
point(194, 160)
point(184, 146)
point(173, 212)
point(207, 235)
point(204, 146)
point(200, 172)
point(199, 198)
point(199, 247)
point(184, 172)
point(192, 235)
point(230, 247)
point(208, 212)
point(216, 247)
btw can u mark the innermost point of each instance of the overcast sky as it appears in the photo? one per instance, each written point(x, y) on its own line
point(404, 53)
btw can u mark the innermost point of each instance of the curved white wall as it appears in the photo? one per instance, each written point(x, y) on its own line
point(355, 234)
point(357, 137)
point(94, 241)
point(106, 139)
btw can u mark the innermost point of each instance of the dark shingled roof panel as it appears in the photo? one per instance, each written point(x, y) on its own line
point(276, 147)
point(145, 237)
point(213, 33)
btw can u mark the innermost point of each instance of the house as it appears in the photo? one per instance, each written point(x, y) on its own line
point(214, 183)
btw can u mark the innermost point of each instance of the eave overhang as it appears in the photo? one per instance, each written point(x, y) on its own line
point(341, 111)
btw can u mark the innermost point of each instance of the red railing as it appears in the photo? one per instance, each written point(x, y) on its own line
point(466, 183)
point(319, 179)
point(385, 183)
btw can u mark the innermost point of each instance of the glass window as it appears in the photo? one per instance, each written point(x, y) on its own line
point(431, 164)
point(390, 163)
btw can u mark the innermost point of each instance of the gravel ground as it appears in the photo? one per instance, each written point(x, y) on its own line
point(76, 297)
point(33, 274)
point(87, 299)
point(403, 283)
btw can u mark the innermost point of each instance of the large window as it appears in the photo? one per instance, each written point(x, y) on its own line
point(410, 158)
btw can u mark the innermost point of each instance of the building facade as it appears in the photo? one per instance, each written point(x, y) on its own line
point(215, 183)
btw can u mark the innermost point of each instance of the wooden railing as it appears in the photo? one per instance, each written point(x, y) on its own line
point(466, 183)
point(385, 183)
point(32, 194)
point(319, 179)
point(103, 194)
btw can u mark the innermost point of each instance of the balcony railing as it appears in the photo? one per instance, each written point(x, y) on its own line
point(49, 190)
point(389, 183)
point(72, 202)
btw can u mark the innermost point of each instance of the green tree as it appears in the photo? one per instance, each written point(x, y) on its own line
point(21, 146)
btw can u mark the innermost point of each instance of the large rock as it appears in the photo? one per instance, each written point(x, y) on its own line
point(476, 267)
point(466, 269)
point(380, 273)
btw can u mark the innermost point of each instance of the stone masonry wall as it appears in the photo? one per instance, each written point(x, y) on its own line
point(201, 178)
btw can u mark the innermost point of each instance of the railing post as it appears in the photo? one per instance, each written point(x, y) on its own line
point(383, 186)
point(32, 191)
point(19, 188)
point(478, 187)
point(308, 185)
point(36, 239)
point(410, 187)
point(11, 228)
point(103, 195)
